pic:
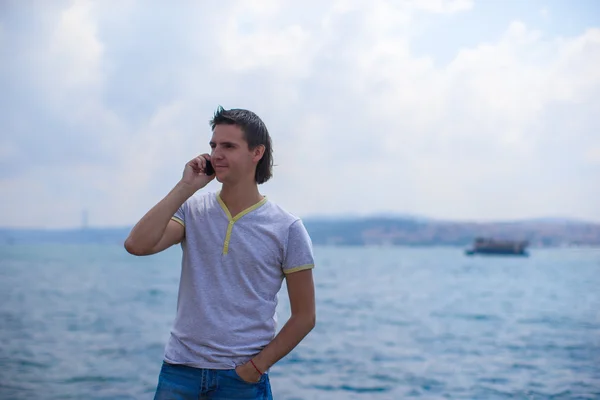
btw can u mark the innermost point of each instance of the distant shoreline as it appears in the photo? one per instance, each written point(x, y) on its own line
point(370, 231)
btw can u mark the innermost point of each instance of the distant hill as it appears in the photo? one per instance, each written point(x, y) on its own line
point(374, 230)
point(419, 231)
point(69, 236)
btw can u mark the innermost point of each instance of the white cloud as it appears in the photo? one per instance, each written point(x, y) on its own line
point(63, 61)
point(443, 6)
point(592, 155)
point(118, 100)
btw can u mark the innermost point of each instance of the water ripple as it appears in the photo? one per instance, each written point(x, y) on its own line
point(392, 323)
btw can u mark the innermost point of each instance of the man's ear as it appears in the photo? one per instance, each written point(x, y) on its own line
point(258, 153)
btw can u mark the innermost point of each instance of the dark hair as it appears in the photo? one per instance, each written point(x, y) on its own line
point(256, 134)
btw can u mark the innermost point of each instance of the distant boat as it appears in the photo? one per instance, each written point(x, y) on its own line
point(491, 246)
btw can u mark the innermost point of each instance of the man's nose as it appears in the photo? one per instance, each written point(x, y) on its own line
point(216, 154)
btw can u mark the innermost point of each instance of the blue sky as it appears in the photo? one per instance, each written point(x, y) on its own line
point(454, 109)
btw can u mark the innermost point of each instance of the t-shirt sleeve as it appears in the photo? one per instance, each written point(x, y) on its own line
point(179, 215)
point(298, 251)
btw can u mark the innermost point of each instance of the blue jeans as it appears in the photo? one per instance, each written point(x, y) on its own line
point(180, 382)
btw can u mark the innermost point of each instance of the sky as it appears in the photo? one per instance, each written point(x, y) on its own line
point(451, 109)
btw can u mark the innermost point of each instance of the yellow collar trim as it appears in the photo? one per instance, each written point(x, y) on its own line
point(242, 213)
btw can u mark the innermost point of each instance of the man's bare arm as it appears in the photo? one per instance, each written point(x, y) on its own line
point(156, 231)
point(301, 293)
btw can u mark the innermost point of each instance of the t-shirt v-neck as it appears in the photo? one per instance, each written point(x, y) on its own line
point(232, 220)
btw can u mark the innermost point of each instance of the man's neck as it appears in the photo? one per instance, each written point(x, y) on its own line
point(240, 196)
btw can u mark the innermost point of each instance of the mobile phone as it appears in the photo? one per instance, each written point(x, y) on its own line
point(209, 168)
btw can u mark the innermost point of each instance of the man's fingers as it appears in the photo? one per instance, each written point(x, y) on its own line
point(202, 163)
point(198, 163)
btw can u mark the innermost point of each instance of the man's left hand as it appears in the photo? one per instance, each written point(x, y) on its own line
point(248, 373)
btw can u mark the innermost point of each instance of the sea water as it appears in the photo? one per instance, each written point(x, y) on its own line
point(91, 322)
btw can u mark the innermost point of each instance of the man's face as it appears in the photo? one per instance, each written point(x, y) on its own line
point(232, 159)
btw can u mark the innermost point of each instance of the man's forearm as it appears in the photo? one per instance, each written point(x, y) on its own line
point(148, 231)
point(290, 335)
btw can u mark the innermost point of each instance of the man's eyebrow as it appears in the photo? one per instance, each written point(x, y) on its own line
point(212, 143)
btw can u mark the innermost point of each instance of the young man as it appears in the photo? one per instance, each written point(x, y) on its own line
point(237, 248)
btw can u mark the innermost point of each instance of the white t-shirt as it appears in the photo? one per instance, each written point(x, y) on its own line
point(232, 269)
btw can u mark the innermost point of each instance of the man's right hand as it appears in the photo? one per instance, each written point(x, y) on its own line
point(194, 173)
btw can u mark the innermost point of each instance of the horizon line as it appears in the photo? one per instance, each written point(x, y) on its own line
point(345, 218)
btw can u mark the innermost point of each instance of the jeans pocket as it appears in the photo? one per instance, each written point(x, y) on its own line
point(238, 377)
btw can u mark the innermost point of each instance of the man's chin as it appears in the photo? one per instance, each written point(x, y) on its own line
point(221, 178)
